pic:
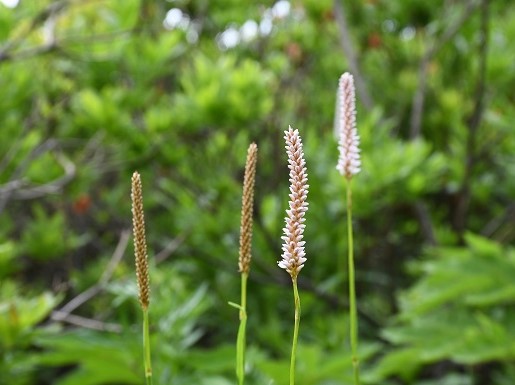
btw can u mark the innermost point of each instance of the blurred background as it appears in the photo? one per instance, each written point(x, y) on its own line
point(92, 90)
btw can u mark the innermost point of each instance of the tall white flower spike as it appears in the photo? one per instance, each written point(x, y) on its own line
point(349, 162)
point(294, 255)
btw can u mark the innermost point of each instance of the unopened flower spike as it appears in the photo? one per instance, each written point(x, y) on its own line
point(246, 210)
point(349, 162)
point(140, 243)
point(142, 273)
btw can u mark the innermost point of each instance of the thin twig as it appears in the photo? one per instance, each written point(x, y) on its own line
point(17, 187)
point(419, 96)
point(13, 150)
point(464, 194)
point(36, 152)
point(41, 17)
point(495, 224)
point(51, 187)
point(63, 43)
point(426, 224)
point(102, 282)
point(351, 56)
point(171, 247)
point(35, 51)
point(84, 322)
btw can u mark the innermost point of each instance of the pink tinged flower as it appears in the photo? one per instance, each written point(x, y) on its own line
point(349, 162)
point(294, 255)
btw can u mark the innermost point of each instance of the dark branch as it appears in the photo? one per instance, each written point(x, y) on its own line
point(38, 20)
point(496, 223)
point(426, 224)
point(419, 96)
point(474, 121)
point(351, 56)
point(20, 189)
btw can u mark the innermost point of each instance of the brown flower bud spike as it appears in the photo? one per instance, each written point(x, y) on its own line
point(142, 274)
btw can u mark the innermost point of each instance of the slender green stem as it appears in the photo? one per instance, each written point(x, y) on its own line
point(296, 299)
point(146, 348)
point(240, 342)
point(352, 289)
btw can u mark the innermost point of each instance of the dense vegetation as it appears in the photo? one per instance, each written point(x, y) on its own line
point(92, 90)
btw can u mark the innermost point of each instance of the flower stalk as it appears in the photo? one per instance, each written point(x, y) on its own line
point(142, 272)
point(296, 301)
point(294, 255)
point(352, 289)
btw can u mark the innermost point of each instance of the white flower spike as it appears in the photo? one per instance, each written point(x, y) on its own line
point(294, 255)
point(349, 162)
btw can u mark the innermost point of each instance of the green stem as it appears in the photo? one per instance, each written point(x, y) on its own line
point(146, 348)
point(352, 290)
point(240, 342)
point(296, 299)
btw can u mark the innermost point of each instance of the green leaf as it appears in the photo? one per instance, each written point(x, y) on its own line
point(91, 351)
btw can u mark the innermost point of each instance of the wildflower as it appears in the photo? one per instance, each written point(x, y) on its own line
point(349, 162)
point(294, 255)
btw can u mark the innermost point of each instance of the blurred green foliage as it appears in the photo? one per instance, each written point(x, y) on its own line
point(91, 91)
